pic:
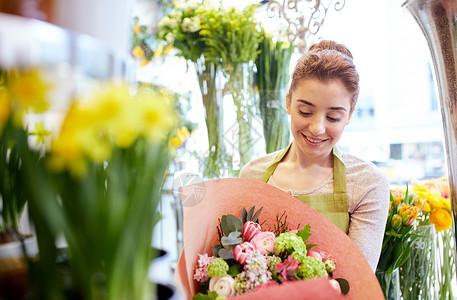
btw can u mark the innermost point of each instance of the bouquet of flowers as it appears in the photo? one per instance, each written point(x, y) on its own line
point(249, 258)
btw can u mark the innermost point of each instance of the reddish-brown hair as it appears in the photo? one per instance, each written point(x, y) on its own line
point(327, 60)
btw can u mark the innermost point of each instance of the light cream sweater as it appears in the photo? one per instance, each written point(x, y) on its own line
point(368, 199)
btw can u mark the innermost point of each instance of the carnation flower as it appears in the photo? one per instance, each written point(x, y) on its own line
point(217, 268)
point(311, 267)
point(264, 242)
point(223, 286)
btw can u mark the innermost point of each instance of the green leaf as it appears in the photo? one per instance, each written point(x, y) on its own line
point(256, 215)
point(230, 223)
point(210, 296)
point(344, 285)
point(216, 250)
point(304, 233)
point(250, 213)
point(234, 270)
point(244, 215)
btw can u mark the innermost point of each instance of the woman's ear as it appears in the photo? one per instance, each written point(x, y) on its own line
point(288, 101)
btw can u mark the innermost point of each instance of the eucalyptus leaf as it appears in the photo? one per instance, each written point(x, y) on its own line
point(216, 250)
point(225, 254)
point(230, 223)
point(230, 242)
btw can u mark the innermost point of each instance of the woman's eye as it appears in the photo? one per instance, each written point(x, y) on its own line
point(306, 114)
point(331, 119)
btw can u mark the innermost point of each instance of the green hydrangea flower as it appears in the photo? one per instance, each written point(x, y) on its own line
point(217, 268)
point(329, 265)
point(291, 243)
point(311, 267)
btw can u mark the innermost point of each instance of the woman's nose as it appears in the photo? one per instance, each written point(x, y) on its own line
point(317, 125)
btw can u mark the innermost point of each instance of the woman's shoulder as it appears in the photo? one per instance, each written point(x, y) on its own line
point(363, 169)
point(257, 167)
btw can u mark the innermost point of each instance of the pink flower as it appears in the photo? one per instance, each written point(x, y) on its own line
point(271, 283)
point(287, 269)
point(264, 242)
point(242, 251)
point(249, 230)
point(204, 260)
point(200, 275)
point(314, 254)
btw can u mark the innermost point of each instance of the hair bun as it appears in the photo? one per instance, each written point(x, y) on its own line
point(330, 45)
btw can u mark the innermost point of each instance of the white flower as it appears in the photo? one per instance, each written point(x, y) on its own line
point(186, 23)
point(170, 37)
point(195, 24)
point(223, 286)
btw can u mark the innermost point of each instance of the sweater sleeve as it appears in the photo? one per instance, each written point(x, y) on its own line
point(368, 187)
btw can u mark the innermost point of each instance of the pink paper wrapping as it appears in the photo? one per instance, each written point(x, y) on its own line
point(208, 201)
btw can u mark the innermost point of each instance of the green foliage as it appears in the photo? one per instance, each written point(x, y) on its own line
point(252, 215)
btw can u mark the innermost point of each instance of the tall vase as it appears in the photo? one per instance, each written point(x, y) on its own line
point(240, 87)
point(436, 18)
point(390, 284)
point(276, 130)
point(215, 160)
point(418, 273)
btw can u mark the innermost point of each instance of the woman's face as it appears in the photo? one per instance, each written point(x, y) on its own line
point(319, 113)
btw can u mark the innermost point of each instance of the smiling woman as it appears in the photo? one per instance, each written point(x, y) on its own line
point(350, 192)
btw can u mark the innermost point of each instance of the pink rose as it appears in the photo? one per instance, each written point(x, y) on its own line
point(242, 251)
point(264, 242)
point(287, 269)
point(249, 230)
point(224, 286)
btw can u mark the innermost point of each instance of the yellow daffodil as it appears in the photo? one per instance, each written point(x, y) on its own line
point(441, 218)
point(29, 90)
point(138, 52)
point(40, 132)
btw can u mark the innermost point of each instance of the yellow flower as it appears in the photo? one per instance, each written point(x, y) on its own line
point(29, 90)
point(5, 107)
point(136, 28)
point(138, 52)
point(159, 51)
point(144, 62)
point(441, 218)
point(398, 194)
point(408, 213)
point(435, 200)
point(40, 132)
point(167, 49)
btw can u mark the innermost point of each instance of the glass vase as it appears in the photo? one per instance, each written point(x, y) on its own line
point(418, 272)
point(390, 284)
point(276, 130)
point(215, 159)
point(240, 87)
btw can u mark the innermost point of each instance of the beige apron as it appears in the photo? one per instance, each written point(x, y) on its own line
point(333, 206)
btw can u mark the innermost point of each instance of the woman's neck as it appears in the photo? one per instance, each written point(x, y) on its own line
point(302, 162)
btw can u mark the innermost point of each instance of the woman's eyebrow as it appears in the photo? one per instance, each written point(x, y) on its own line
point(331, 108)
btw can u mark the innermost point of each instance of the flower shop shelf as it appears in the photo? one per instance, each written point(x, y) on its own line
point(29, 42)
